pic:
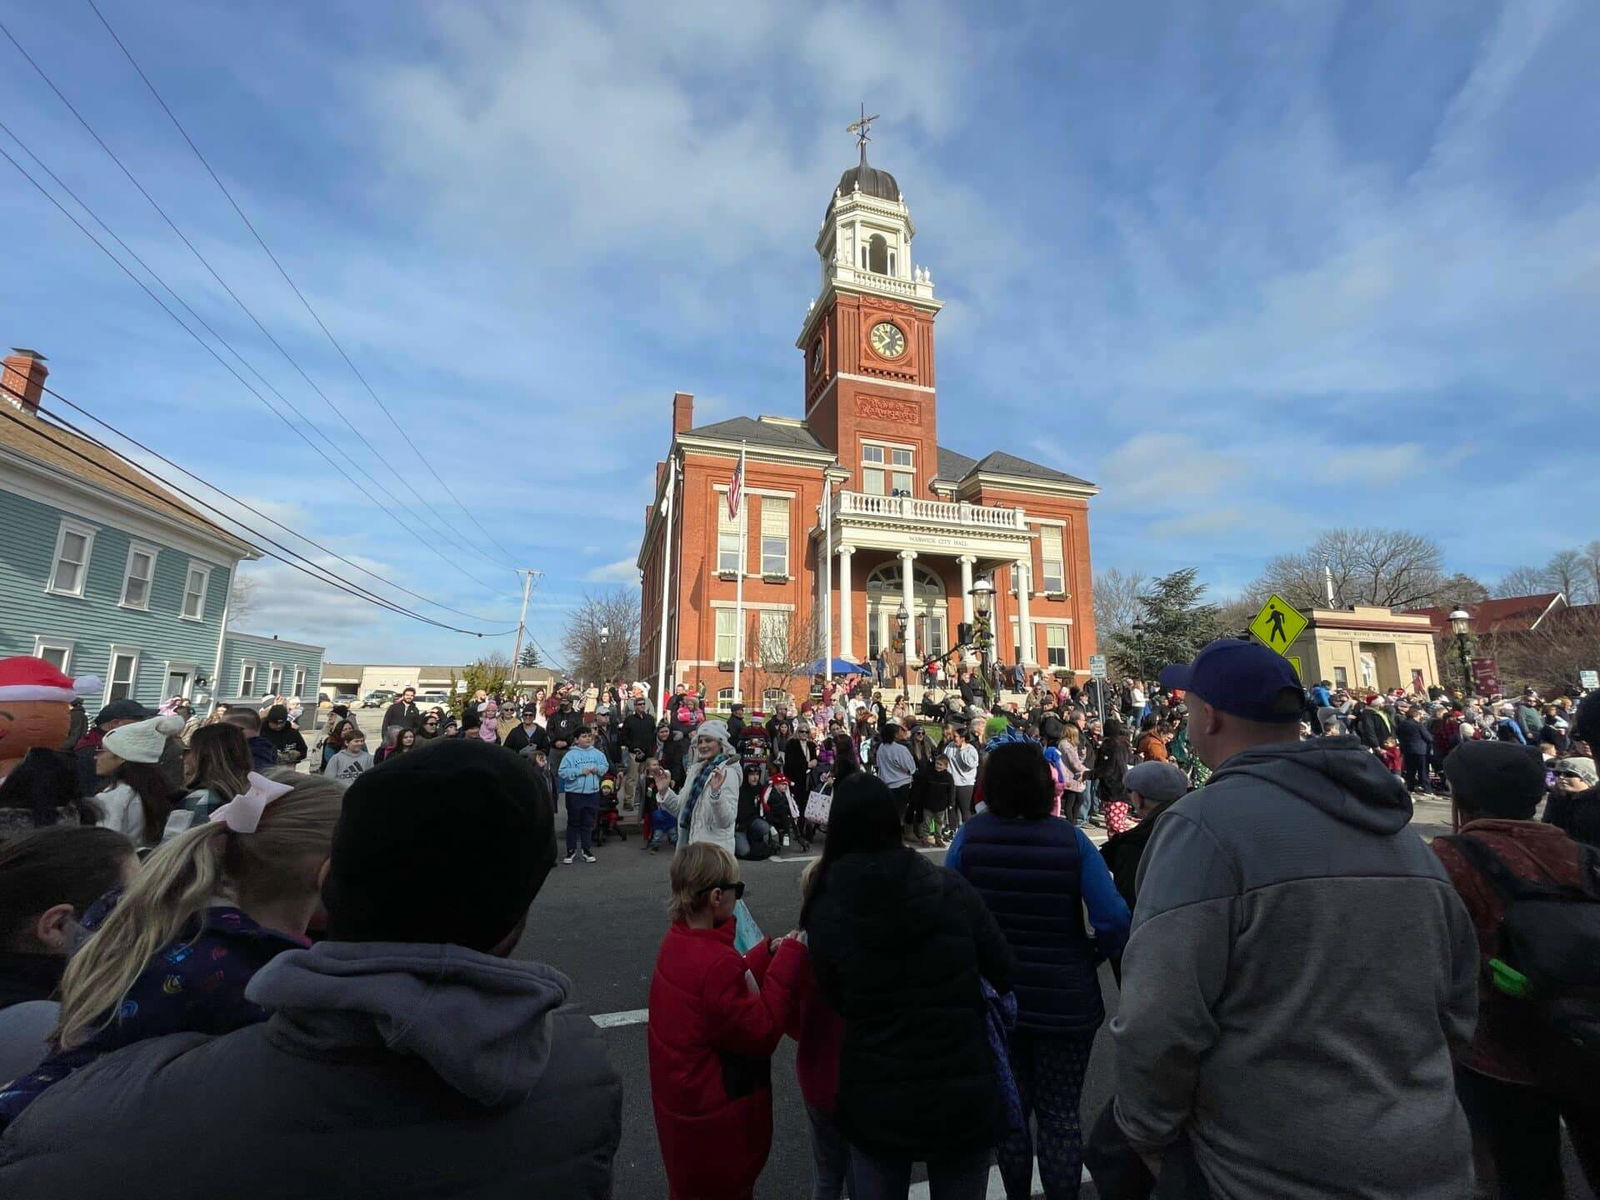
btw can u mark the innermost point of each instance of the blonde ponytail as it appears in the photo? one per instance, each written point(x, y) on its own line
point(180, 879)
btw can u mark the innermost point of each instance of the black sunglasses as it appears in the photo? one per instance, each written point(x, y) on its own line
point(736, 888)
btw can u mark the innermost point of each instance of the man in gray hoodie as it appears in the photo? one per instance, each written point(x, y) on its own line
point(1300, 967)
point(406, 1055)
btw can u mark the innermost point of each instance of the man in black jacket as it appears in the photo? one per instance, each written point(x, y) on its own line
point(503, 1090)
point(1416, 743)
point(403, 712)
point(1372, 724)
point(638, 736)
point(563, 730)
point(529, 733)
point(1152, 787)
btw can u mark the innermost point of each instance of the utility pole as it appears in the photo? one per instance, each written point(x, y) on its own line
point(522, 624)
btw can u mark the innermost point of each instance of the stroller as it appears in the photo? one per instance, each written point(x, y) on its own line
point(609, 821)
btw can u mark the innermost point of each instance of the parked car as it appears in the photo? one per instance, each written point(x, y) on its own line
point(379, 698)
point(345, 698)
point(427, 700)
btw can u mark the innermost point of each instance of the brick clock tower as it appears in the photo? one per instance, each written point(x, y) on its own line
point(868, 339)
point(861, 535)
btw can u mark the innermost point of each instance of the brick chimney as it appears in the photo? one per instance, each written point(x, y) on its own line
point(22, 378)
point(682, 412)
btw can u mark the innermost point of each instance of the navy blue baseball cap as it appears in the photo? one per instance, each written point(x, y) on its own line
point(1243, 678)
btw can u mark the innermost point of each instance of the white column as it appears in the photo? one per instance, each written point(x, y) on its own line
point(846, 618)
point(1021, 571)
point(908, 597)
point(967, 562)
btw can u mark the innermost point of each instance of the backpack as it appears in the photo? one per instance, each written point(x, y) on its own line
point(1549, 949)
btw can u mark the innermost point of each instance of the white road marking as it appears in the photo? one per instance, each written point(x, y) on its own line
point(997, 1189)
point(634, 1016)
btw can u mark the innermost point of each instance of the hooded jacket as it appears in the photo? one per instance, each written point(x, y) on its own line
point(1299, 971)
point(898, 946)
point(386, 1069)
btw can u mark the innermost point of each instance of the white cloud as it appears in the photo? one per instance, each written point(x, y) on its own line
point(623, 570)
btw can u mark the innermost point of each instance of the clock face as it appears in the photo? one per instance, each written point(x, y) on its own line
point(887, 340)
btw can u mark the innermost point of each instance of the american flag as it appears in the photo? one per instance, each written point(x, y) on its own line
point(736, 487)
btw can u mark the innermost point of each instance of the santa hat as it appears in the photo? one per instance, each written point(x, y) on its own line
point(779, 777)
point(27, 678)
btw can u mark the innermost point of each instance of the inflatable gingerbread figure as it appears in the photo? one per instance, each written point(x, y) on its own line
point(38, 781)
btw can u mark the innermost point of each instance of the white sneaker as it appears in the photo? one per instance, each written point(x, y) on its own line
point(587, 858)
point(568, 859)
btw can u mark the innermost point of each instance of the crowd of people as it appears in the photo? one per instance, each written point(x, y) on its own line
point(239, 964)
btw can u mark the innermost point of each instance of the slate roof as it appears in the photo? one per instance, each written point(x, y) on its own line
point(80, 458)
point(953, 465)
point(764, 433)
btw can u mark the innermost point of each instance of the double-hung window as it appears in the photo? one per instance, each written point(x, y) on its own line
point(1053, 575)
point(69, 568)
point(727, 536)
point(138, 576)
point(299, 688)
point(1055, 645)
point(774, 637)
point(275, 680)
point(247, 680)
point(195, 584)
point(887, 470)
point(124, 669)
point(774, 535)
point(727, 634)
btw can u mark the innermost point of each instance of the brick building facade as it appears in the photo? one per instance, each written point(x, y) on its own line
point(854, 509)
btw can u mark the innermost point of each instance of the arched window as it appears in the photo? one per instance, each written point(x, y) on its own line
point(878, 254)
point(725, 698)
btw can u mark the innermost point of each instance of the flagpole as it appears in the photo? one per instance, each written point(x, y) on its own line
point(738, 594)
point(666, 579)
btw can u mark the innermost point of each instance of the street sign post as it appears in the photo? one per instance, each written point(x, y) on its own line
point(1589, 679)
point(1278, 624)
point(1097, 666)
point(1097, 672)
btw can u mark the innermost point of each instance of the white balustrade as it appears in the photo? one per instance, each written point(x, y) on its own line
point(936, 512)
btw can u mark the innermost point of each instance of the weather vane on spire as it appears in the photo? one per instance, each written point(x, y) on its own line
point(859, 128)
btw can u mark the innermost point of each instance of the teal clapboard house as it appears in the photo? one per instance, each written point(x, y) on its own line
point(254, 667)
point(102, 570)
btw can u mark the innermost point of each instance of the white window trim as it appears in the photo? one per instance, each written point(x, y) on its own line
point(127, 575)
point(192, 669)
point(299, 676)
point(87, 532)
point(42, 643)
point(275, 689)
point(111, 670)
point(205, 570)
point(255, 670)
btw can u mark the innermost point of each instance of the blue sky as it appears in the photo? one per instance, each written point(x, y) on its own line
point(1256, 269)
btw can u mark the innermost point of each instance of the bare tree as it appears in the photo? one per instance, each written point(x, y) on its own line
point(1234, 614)
point(1385, 568)
point(602, 635)
point(1460, 589)
point(1591, 565)
point(241, 598)
point(1549, 657)
point(1116, 600)
point(1522, 581)
point(785, 649)
point(1568, 573)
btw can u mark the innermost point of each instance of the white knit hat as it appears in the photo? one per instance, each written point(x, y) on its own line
point(143, 741)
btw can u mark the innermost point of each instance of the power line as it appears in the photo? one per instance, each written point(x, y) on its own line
point(131, 440)
point(250, 225)
point(327, 577)
point(234, 296)
point(293, 428)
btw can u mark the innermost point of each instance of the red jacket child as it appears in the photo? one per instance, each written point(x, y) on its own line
point(1391, 756)
point(715, 1019)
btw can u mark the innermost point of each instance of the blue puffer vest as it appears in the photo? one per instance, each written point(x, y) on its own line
point(1027, 873)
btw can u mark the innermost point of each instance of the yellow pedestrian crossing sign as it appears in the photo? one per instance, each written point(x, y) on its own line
point(1278, 624)
point(1294, 661)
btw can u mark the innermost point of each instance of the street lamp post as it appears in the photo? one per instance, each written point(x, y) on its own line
point(982, 608)
point(605, 636)
point(1461, 624)
point(902, 618)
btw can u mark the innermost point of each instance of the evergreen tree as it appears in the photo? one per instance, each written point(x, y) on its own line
point(530, 657)
point(1171, 627)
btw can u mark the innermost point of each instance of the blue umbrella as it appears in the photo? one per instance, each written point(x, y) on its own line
point(841, 666)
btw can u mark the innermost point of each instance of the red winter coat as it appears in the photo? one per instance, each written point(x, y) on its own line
point(715, 1019)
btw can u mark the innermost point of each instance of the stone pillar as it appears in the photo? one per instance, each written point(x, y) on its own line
point(846, 617)
point(908, 597)
point(1022, 571)
point(967, 561)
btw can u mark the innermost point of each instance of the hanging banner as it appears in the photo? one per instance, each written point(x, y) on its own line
point(1485, 676)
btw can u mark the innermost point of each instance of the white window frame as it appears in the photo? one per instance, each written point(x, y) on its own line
point(1051, 649)
point(248, 670)
point(767, 561)
point(87, 532)
point(728, 528)
point(204, 571)
point(136, 549)
point(274, 679)
point(772, 635)
point(730, 636)
point(299, 678)
point(41, 644)
point(724, 698)
point(189, 669)
point(130, 652)
point(891, 476)
point(1052, 583)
